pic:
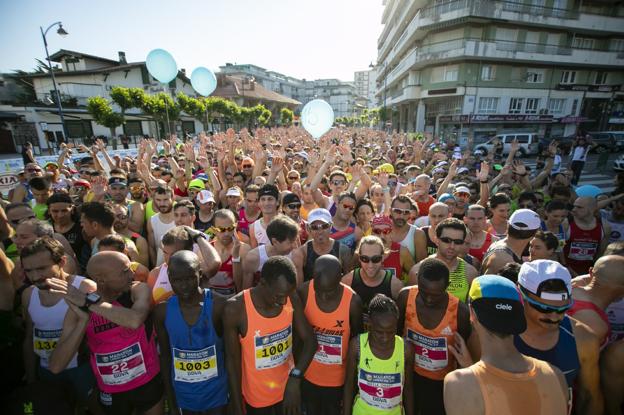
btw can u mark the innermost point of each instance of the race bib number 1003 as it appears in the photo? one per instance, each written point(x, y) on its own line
point(273, 349)
point(195, 365)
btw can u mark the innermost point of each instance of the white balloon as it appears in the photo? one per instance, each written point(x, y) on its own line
point(317, 117)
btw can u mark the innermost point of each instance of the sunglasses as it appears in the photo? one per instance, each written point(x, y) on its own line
point(448, 240)
point(384, 231)
point(294, 205)
point(348, 207)
point(247, 166)
point(16, 222)
point(33, 170)
point(121, 217)
point(339, 182)
point(319, 226)
point(392, 183)
point(545, 308)
point(400, 211)
point(226, 229)
point(462, 194)
point(293, 178)
point(375, 259)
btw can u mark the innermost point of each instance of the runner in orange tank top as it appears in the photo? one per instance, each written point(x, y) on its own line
point(335, 312)
point(504, 381)
point(436, 324)
point(259, 326)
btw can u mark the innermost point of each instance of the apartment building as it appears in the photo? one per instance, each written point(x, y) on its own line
point(479, 67)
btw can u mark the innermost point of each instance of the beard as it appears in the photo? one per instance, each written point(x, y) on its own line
point(165, 209)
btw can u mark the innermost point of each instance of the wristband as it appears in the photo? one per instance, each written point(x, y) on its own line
point(483, 181)
point(236, 260)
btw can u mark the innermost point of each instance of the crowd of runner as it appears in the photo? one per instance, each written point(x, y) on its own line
point(270, 273)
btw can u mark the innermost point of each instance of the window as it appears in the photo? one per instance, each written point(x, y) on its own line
point(555, 105)
point(451, 73)
point(568, 77)
point(583, 43)
point(78, 129)
point(522, 138)
point(617, 45)
point(133, 128)
point(515, 105)
point(488, 72)
point(488, 105)
point(601, 78)
point(574, 107)
point(535, 76)
point(531, 105)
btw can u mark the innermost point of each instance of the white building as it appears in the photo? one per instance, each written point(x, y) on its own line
point(487, 66)
point(366, 86)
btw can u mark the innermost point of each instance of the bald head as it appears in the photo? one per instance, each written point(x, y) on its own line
point(608, 270)
point(184, 261)
point(327, 272)
point(105, 264)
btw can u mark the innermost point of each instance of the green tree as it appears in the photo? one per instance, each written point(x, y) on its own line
point(121, 96)
point(286, 116)
point(162, 108)
point(193, 107)
point(102, 112)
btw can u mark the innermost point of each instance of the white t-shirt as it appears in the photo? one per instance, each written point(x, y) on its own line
point(579, 153)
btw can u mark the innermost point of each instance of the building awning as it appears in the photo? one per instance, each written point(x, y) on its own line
point(9, 116)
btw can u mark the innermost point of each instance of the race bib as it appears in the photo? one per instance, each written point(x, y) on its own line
point(121, 367)
point(429, 353)
point(44, 342)
point(583, 251)
point(329, 351)
point(273, 349)
point(195, 365)
point(380, 390)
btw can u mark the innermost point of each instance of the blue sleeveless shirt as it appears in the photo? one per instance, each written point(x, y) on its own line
point(564, 355)
point(198, 371)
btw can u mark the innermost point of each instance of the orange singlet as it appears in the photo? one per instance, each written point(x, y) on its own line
point(432, 358)
point(332, 332)
point(266, 351)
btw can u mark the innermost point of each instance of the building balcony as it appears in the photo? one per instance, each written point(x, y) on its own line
point(499, 51)
point(387, 39)
point(440, 14)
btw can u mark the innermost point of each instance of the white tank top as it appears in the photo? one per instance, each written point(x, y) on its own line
point(263, 256)
point(408, 241)
point(48, 325)
point(260, 232)
point(160, 229)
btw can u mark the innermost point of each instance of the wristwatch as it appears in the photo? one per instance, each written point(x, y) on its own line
point(296, 373)
point(90, 299)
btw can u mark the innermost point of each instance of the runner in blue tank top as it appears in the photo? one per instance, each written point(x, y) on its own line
point(189, 333)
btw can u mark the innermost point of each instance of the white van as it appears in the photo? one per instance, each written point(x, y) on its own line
point(529, 143)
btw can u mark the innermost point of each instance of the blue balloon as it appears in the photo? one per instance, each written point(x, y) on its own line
point(204, 81)
point(161, 65)
point(588, 190)
point(317, 117)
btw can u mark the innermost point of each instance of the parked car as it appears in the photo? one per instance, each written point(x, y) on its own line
point(608, 141)
point(618, 164)
point(529, 143)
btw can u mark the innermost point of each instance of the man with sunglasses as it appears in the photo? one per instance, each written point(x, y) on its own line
point(344, 230)
point(291, 206)
point(407, 235)
point(22, 192)
point(16, 213)
point(229, 278)
point(556, 338)
point(320, 243)
point(118, 192)
point(450, 238)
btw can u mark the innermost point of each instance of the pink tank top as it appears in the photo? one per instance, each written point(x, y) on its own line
point(122, 359)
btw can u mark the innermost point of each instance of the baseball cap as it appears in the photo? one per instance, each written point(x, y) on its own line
point(498, 304)
point(525, 220)
point(462, 170)
point(117, 180)
point(233, 191)
point(461, 189)
point(445, 196)
point(205, 196)
point(290, 198)
point(386, 168)
point(50, 163)
point(303, 155)
point(534, 274)
point(196, 184)
point(268, 190)
point(319, 214)
point(381, 220)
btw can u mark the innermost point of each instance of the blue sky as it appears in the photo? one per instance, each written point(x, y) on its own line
point(307, 39)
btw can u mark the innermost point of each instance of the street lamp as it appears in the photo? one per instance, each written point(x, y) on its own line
point(63, 33)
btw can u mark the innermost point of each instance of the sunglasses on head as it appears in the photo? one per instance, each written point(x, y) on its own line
point(225, 229)
point(293, 205)
point(319, 226)
point(375, 259)
point(399, 211)
point(383, 231)
point(546, 308)
point(448, 240)
point(16, 222)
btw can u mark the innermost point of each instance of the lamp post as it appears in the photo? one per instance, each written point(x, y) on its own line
point(61, 32)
